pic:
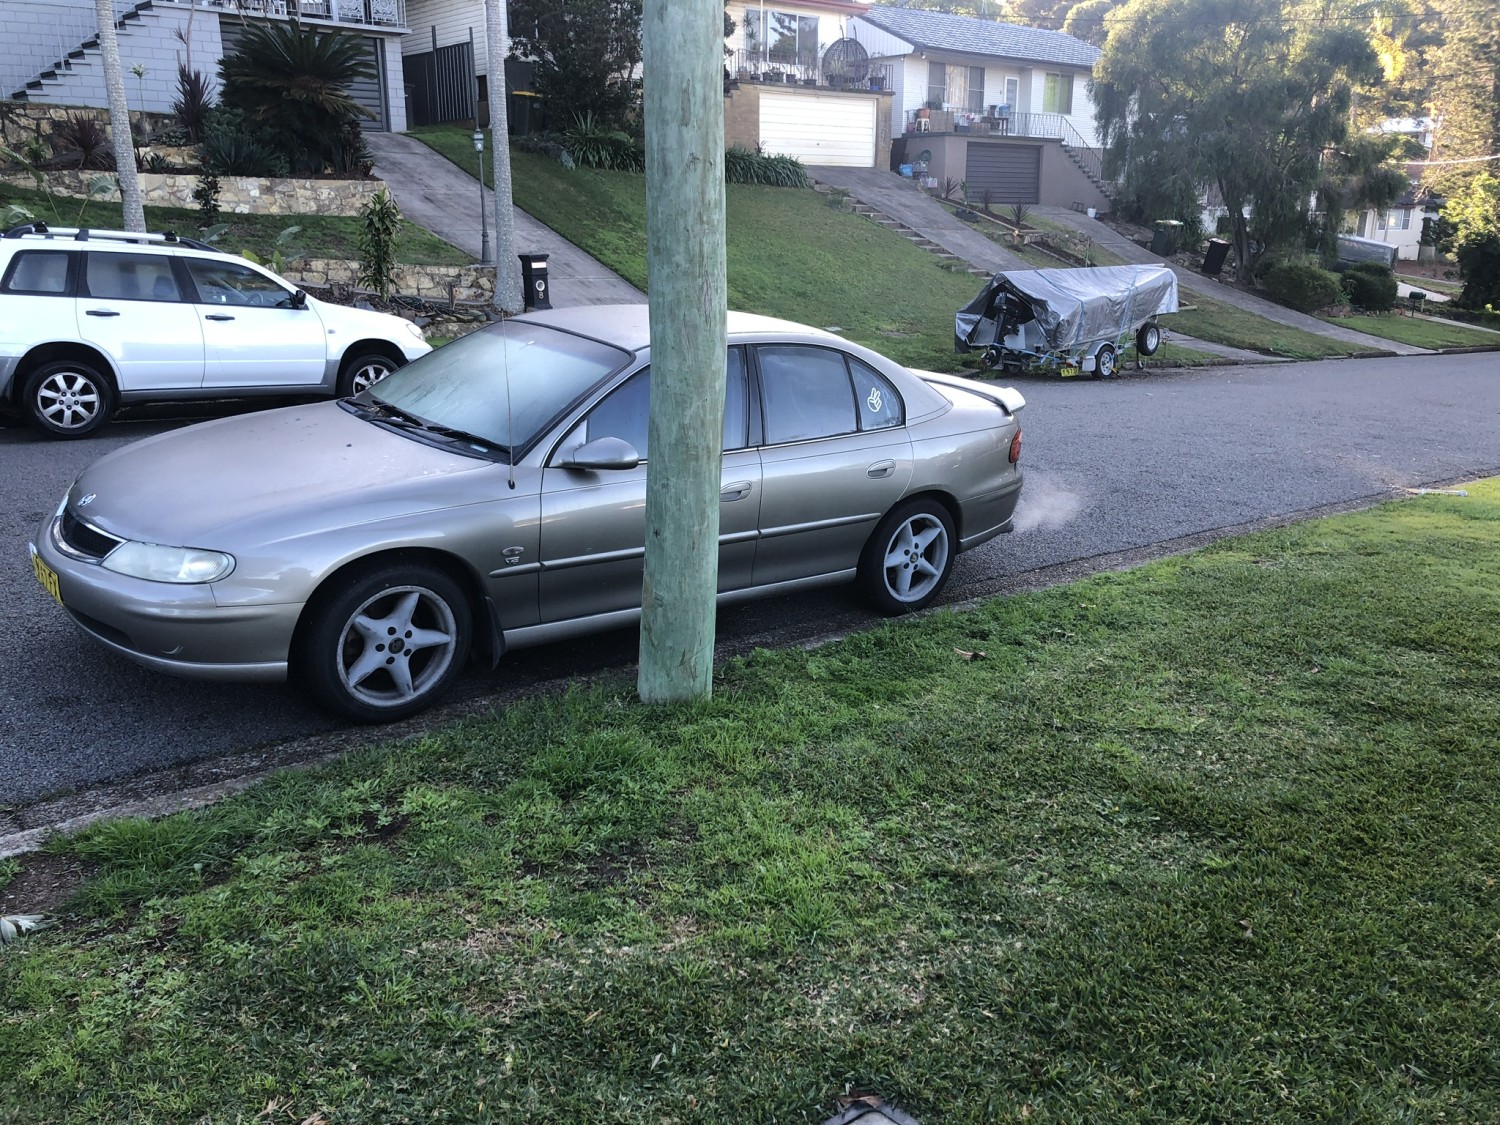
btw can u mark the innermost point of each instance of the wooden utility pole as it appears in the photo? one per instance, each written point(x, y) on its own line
point(119, 117)
point(682, 60)
point(507, 267)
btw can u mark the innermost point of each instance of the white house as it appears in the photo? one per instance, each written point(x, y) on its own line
point(52, 55)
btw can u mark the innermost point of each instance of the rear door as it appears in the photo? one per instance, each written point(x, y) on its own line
point(37, 305)
point(252, 334)
point(132, 308)
point(594, 523)
point(836, 458)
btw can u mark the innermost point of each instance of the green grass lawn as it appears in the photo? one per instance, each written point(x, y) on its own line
point(321, 236)
point(1221, 323)
point(1214, 839)
point(1418, 331)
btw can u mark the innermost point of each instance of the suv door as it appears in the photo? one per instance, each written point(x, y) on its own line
point(594, 523)
point(131, 307)
point(253, 335)
point(836, 458)
point(38, 305)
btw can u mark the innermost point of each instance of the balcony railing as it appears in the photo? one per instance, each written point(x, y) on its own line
point(807, 70)
point(359, 13)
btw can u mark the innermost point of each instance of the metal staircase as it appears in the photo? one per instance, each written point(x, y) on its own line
point(56, 75)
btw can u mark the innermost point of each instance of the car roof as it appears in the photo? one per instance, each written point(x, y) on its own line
point(628, 326)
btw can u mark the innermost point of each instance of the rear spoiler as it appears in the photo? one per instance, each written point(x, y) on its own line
point(1007, 399)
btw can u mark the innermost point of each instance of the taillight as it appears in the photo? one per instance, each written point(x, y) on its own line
point(1015, 446)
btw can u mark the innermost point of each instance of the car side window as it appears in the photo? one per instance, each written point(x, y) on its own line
point(226, 283)
point(806, 393)
point(130, 277)
point(625, 411)
point(879, 405)
point(41, 273)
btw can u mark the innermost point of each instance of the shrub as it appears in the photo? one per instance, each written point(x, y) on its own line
point(1302, 286)
point(88, 137)
point(380, 224)
point(1370, 286)
point(193, 104)
point(747, 166)
point(206, 196)
point(233, 147)
point(594, 145)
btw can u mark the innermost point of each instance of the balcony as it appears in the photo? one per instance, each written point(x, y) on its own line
point(344, 13)
point(790, 70)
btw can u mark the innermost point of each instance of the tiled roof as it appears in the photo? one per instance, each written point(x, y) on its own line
point(939, 31)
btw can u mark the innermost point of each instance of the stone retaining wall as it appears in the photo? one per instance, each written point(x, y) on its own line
point(238, 195)
point(439, 284)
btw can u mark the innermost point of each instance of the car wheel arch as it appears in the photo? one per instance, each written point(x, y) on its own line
point(43, 354)
point(488, 642)
point(947, 500)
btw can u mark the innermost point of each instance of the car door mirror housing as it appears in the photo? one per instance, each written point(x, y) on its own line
point(601, 454)
point(299, 299)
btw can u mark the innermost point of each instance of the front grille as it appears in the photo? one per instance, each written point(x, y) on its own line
point(83, 539)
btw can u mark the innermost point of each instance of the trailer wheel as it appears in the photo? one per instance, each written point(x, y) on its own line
point(1104, 362)
point(1148, 339)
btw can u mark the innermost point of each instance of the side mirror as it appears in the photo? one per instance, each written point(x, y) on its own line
point(601, 454)
point(299, 299)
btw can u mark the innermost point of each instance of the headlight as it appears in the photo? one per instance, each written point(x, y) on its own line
point(415, 331)
point(168, 564)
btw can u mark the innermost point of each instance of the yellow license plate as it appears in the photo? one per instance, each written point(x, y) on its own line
point(46, 576)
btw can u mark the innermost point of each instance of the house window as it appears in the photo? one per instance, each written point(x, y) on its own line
point(783, 37)
point(937, 84)
point(1013, 93)
point(1057, 94)
point(1406, 218)
point(1381, 221)
point(976, 89)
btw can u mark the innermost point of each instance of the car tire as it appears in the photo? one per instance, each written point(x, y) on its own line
point(362, 371)
point(68, 399)
point(1105, 362)
point(387, 643)
point(906, 563)
point(1148, 339)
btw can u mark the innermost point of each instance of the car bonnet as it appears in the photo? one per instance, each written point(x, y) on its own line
point(285, 471)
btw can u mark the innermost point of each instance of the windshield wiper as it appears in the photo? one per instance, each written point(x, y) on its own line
point(466, 436)
point(404, 419)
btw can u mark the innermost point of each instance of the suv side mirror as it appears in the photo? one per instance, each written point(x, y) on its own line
point(299, 299)
point(601, 454)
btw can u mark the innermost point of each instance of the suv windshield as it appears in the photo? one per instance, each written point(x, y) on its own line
point(506, 383)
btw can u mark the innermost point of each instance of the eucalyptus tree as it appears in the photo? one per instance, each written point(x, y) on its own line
point(1465, 96)
point(508, 297)
point(119, 117)
point(1245, 96)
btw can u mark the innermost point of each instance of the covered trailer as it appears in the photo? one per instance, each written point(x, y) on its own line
point(1067, 320)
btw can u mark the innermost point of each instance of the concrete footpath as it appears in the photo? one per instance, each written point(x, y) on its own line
point(433, 193)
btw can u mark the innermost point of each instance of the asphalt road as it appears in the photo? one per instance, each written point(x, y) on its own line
point(1120, 466)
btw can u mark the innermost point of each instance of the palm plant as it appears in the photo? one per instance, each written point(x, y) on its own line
point(293, 82)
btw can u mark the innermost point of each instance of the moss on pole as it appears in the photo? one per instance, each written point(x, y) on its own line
point(682, 55)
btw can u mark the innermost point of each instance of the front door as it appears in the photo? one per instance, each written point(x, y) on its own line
point(252, 334)
point(594, 523)
point(131, 307)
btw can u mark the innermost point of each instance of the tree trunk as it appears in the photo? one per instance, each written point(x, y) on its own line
point(507, 267)
point(685, 257)
point(119, 117)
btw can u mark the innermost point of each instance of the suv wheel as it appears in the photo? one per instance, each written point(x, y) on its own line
point(68, 399)
point(361, 372)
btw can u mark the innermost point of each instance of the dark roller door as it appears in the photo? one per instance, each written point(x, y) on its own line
point(1011, 173)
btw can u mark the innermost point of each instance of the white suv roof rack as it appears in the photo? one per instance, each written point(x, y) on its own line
point(87, 234)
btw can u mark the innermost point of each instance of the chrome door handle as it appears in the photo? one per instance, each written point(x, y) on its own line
point(736, 491)
point(218, 316)
point(100, 312)
point(881, 469)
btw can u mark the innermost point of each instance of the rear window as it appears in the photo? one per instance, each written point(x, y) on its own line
point(40, 272)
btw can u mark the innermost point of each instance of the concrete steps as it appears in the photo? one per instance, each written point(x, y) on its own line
point(57, 77)
point(951, 260)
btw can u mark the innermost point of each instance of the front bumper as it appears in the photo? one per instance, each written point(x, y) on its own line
point(177, 629)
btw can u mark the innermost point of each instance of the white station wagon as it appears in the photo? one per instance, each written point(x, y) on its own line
point(91, 319)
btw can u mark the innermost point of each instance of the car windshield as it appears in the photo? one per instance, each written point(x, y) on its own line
point(463, 386)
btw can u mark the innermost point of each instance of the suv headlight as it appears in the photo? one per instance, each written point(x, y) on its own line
point(168, 564)
point(414, 330)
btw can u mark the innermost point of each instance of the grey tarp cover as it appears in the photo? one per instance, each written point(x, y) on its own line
point(1073, 306)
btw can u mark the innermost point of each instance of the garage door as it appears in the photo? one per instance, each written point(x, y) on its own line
point(1010, 173)
point(819, 128)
